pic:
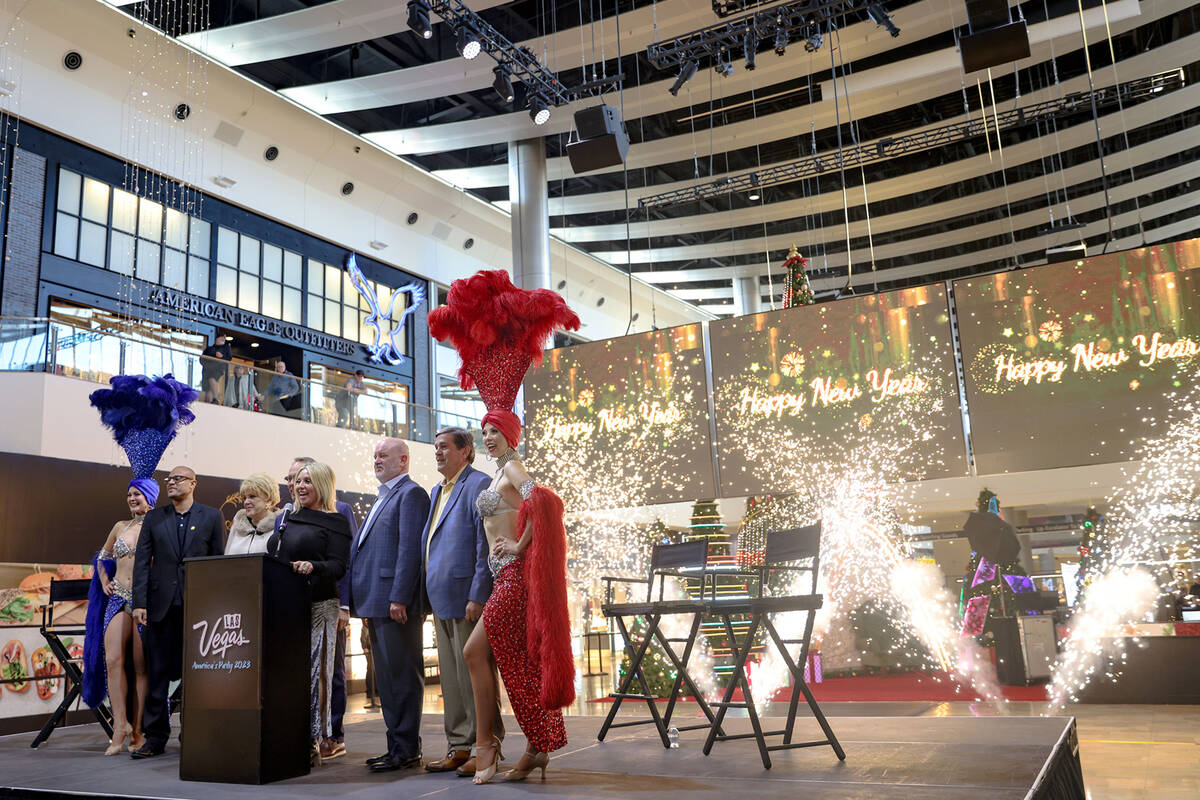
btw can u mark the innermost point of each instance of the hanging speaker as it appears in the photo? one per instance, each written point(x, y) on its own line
point(990, 48)
point(602, 140)
point(994, 39)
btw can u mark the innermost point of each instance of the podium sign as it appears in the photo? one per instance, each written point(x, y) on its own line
point(247, 623)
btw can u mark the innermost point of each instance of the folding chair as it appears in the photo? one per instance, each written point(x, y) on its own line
point(688, 560)
point(784, 548)
point(61, 592)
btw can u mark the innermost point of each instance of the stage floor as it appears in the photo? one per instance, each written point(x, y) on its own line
point(886, 757)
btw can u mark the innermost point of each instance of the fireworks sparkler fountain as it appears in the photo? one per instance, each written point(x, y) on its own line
point(1146, 518)
point(866, 561)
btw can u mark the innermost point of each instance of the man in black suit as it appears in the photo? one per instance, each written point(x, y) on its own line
point(184, 529)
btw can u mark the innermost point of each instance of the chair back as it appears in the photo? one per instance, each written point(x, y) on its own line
point(795, 544)
point(671, 559)
point(69, 591)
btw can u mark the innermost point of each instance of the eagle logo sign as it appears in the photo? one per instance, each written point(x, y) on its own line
point(388, 324)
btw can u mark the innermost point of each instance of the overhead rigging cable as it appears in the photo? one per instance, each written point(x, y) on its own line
point(854, 134)
point(817, 215)
point(1057, 143)
point(841, 161)
point(1112, 54)
point(762, 202)
point(624, 167)
point(1012, 235)
point(1087, 57)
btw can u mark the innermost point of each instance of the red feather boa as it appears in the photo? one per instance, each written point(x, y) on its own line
point(547, 623)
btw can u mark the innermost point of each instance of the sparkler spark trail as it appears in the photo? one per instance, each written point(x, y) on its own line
point(844, 480)
point(1149, 522)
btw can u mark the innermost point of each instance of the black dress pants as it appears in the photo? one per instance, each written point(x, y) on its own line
point(400, 678)
point(162, 642)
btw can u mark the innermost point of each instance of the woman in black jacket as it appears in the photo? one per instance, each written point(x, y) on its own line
point(315, 538)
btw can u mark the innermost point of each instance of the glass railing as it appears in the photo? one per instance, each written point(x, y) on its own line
point(59, 348)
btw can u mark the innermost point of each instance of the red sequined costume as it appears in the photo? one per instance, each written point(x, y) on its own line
point(499, 331)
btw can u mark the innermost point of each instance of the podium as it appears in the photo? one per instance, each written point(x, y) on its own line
point(247, 634)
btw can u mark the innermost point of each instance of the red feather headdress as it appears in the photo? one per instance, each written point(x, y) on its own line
point(499, 331)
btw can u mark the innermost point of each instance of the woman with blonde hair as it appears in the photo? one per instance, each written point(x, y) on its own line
point(255, 520)
point(315, 538)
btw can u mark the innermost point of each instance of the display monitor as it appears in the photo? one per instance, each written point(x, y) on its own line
point(623, 422)
point(864, 384)
point(1078, 362)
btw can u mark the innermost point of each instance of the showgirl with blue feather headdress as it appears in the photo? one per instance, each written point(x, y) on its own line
point(144, 415)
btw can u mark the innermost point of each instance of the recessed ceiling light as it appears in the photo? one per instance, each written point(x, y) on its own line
point(254, 344)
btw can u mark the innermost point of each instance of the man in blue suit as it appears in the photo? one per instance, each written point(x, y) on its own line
point(385, 590)
point(457, 583)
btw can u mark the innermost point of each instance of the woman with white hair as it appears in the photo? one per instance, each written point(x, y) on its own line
point(255, 520)
point(315, 538)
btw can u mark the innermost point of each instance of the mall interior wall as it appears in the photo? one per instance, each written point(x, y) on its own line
point(56, 421)
point(120, 102)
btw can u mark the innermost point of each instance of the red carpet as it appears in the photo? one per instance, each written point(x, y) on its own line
point(912, 686)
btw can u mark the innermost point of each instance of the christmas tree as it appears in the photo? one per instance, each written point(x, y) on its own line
point(988, 589)
point(706, 521)
point(1092, 546)
point(796, 291)
point(656, 667)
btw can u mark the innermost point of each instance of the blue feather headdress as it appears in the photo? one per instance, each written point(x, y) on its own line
point(144, 415)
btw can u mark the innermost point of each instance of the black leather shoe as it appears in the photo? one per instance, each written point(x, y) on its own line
point(377, 759)
point(391, 764)
point(147, 751)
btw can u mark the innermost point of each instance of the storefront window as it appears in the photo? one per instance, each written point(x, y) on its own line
point(380, 409)
point(85, 348)
point(140, 238)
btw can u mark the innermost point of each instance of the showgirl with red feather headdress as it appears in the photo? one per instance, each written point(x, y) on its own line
point(499, 332)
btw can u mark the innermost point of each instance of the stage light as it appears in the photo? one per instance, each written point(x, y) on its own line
point(750, 45)
point(467, 43)
point(418, 18)
point(723, 66)
point(502, 84)
point(781, 38)
point(880, 16)
point(539, 111)
point(813, 43)
point(685, 74)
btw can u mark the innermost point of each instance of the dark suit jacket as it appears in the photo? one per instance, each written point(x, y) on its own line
point(158, 567)
point(457, 570)
point(385, 567)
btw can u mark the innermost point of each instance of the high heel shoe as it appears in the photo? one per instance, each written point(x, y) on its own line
point(118, 742)
point(485, 774)
point(540, 761)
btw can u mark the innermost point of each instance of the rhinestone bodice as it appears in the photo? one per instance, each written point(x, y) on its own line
point(490, 502)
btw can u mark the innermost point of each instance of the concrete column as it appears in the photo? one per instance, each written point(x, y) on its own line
point(747, 296)
point(530, 213)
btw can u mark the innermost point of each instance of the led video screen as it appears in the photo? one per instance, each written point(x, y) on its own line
point(1076, 363)
point(864, 383)
point(622, 422)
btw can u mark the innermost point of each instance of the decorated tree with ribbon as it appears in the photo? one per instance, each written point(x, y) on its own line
point(994, 575)
point(796, 291)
